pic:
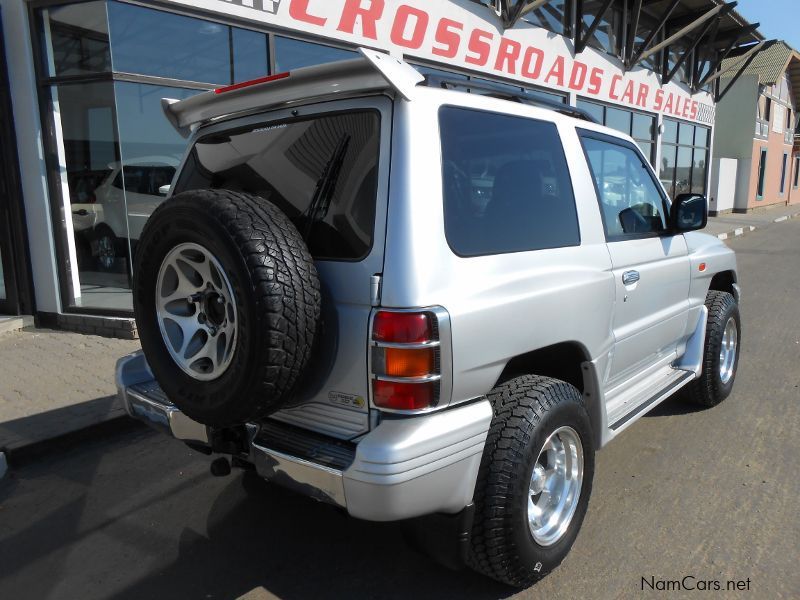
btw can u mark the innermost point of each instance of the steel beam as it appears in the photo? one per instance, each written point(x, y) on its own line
point(636, 12)
point(744, 57)
point(511, 16)
point(719, 10)
point(725, 52)
point(580, 43)
point(649, 40)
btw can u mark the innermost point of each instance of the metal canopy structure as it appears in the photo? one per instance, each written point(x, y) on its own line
point(692, 37)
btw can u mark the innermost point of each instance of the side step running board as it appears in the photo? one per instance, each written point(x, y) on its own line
point(659, 397)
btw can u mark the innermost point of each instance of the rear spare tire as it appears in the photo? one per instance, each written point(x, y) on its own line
point(227, 302)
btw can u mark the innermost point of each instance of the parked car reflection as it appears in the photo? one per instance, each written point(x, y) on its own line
point(115, 211)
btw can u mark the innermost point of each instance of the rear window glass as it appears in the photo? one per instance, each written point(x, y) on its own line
point(322, 172)
point(506, 184)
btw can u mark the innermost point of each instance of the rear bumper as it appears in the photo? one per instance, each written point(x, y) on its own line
point(404, 468)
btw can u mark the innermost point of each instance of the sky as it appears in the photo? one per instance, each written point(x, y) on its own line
point(780, 19)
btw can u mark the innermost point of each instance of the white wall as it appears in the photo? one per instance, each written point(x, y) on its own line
point(722, 191)
point(16, 32)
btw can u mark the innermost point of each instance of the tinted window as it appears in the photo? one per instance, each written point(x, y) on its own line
point(293, 54)
point(631, 202)
point(78, 36)
point(292, 164)
point(506, 184)
point(153, 42)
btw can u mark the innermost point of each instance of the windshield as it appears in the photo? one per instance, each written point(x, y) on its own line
point(322, 172)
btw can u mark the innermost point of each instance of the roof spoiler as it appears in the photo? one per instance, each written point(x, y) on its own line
point(372, 72)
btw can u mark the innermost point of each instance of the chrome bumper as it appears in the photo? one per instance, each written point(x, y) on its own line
point(404, 468)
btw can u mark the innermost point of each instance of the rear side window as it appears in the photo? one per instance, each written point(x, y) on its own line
point(322, 172)
point(506, 184)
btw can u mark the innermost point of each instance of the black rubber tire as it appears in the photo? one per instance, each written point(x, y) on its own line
point(526, 411)
point(277, 296)
point(708, 390)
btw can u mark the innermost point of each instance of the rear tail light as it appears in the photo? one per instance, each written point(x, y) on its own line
point(406, 360)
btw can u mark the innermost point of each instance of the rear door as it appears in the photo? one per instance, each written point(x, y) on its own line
point(650, 265)
point(327, 168)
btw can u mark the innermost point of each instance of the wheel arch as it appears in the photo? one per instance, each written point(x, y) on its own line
point(725, 281)
point(566, 361)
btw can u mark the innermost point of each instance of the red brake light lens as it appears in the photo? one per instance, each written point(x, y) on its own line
point(403, 396)
point(402, 328)
point(244, 84)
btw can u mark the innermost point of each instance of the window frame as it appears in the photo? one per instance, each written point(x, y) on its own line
point(665, 200)
point(784, 167)
point(796, 172)
point(566, 165)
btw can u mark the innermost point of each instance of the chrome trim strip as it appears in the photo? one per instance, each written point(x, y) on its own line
point(433, 344)
point(426, 379)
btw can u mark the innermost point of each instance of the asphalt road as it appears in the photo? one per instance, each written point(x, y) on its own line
point(708, 494)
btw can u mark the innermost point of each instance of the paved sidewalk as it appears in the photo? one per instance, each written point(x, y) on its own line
point(733, 225)
point(53, 383)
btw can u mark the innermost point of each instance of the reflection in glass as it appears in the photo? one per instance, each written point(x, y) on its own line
point(153, 42)
point(686, 137)
point(670, 131)
point(439, 72)
point(596, 110)
point(619, 119)
point(90, 151)
point(699, 171)
point(78, 35)
point(250, 56)
point(683, 171)
point(643, 127)
point(668, 156)
point(151, 151)
point(293, 54)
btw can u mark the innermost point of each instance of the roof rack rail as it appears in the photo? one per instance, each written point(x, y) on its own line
point(500, 91)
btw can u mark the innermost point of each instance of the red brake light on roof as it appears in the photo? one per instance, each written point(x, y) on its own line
point(244, 84)
point(402, 328)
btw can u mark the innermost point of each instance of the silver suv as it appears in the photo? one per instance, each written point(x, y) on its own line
point(422, 302)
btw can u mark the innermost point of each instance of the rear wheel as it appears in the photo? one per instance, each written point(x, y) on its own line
point(721, 355)
point(534, 482)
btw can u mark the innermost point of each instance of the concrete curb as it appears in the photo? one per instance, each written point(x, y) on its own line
point(63, 443)
point(740, 231)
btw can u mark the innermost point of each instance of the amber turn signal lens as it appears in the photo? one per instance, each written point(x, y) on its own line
point(409, 363)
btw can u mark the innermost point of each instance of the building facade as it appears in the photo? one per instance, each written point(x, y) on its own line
point(756, 129)
point(95, 152)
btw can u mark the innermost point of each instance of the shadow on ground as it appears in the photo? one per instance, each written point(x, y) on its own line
point(262, 538)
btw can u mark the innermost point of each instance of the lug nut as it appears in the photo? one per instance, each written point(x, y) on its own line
point(194, 298)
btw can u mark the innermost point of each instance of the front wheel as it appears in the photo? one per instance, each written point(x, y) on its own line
point(534, 482)
point(721, 355)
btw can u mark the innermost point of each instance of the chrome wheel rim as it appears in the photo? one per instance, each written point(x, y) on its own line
point(728, 350)
point(196, 312)
point(555, 486)
point(106, 252)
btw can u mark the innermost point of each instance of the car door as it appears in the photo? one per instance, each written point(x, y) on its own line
point(650, 264)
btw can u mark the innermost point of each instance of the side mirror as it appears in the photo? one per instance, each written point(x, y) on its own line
point(689, 213)
point(164, 190)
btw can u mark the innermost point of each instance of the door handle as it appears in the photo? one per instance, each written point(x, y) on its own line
point(630, 277)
